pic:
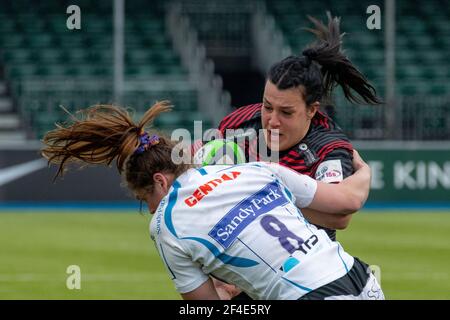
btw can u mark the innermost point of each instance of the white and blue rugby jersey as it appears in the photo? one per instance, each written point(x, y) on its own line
point(241, 224)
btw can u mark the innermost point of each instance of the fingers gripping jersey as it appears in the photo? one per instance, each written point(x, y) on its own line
point(242, 224)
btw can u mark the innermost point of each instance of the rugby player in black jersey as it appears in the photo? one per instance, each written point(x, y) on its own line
point(306, 139)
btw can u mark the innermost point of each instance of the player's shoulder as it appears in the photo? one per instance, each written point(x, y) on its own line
point(325, 133)
point(164, 221)
point(324, 139)
point(241, 116)
point(321, 122)
point(169, 224)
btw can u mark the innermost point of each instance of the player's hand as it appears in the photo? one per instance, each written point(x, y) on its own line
point(225, 291)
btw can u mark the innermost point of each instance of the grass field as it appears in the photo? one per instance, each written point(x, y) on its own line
point(118, 260)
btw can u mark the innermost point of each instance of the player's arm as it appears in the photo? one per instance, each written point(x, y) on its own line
point(336, 166)
point(206, 291)
point(345, 197)
point(334, 221)
point(189, 279)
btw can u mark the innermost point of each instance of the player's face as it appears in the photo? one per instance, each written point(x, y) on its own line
point(161, 185)
point(285, 117)
point(153, 199)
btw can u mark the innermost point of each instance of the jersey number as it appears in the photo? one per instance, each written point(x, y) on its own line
point(278, 229)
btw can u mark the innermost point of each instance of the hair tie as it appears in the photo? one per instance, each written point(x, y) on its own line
point(145, 141)
point(309, 55)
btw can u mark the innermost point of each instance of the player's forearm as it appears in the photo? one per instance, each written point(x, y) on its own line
point(357, 186)
point(328, 220)
point(346, 197)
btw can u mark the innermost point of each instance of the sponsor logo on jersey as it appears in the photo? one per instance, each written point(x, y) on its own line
point(159, 213)
point(329, 171)
point(240, 216)
point(209, 187)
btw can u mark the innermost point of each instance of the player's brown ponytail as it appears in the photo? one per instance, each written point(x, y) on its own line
point(105, 133)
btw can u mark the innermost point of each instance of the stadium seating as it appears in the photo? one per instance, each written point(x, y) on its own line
point(422, 46)
point(36, 47)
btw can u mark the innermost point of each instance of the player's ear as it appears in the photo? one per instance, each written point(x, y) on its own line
point(312, 109)
point(158, 178)
point(161, 181)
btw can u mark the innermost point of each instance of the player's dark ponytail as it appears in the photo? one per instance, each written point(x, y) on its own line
point(321, 67)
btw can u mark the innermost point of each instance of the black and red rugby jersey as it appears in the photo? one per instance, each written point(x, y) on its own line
point(323, 143)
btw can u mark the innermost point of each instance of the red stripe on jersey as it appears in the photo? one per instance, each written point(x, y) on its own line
point(293, 160)
point(326, 123)
point(225, 123)
point(294, 166)
point(301, 170)
point(326, 150)
point(334, 145)
point(321, 119)
point(245, 115)
point(248, 115)
point(322, 153)
point(294, 153)
point(238, 116)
